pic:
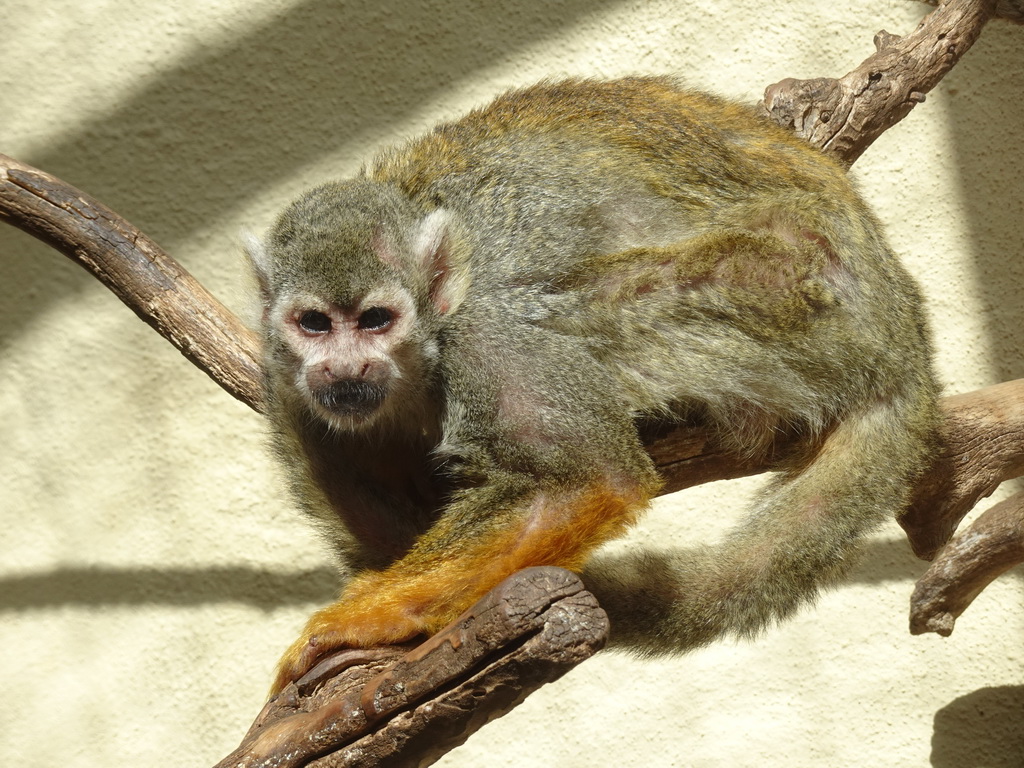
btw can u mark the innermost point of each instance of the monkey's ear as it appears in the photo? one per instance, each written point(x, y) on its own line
point(259, 260)
point(436, 255)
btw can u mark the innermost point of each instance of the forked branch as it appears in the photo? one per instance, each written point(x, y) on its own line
point(991, 545)
point(843, 117)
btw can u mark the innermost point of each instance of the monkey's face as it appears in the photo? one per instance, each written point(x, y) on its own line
point(350, 362)
point(355, 283)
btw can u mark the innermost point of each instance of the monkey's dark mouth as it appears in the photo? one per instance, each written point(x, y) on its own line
point(350, 397)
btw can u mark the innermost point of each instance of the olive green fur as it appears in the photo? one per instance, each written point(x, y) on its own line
point(632, 250)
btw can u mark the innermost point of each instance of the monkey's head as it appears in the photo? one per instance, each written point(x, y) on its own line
point(355, 283)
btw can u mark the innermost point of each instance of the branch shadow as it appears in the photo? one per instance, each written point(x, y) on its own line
point(984, 729)
point(989, 157)
point(882, 561)
point(93, 587)
point(178, 154)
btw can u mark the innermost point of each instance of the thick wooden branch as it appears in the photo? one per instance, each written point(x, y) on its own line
point(843, 117)
point(991, 545)
point(158, 289)
point(371, 709)
point(982, 445)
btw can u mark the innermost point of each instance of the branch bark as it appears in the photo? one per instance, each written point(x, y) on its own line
point(992, 545)
point(982, 446)
point(370, 709)
point(843, 117)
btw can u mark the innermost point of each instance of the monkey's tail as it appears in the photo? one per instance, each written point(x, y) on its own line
point(800, 537)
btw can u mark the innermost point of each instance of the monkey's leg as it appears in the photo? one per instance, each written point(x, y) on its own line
point(801, 536)
point(469, 551)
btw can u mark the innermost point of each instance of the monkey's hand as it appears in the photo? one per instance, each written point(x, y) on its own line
point(373, 610)
point(456, 563)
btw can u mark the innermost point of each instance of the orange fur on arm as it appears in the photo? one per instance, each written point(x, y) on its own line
point(426, 590)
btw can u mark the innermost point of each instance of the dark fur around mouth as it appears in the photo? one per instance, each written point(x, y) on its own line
point(350, 397)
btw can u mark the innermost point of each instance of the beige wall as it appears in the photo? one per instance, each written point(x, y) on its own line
point(150, 568)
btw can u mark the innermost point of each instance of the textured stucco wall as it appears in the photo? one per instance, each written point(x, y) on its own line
point(150, 568)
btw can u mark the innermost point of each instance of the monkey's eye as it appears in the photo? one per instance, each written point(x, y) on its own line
point(312, 321)
point(375, 319)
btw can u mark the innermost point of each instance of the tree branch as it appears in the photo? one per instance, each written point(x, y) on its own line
point(990, 546)
point(370, 709)
point(158, 289)
point(843, 117)
point(982, 445)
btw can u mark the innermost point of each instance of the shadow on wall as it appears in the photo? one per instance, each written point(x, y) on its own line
point(200, 139)
point(984, 729)
point(985, 119)
point(186, 587)
point(883, 561)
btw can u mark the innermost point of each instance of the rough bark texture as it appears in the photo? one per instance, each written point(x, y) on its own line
point(982, 445)
point(991, 545)
point(383, 708)
point(843, 117)
point(401, 707)
point(158, 289)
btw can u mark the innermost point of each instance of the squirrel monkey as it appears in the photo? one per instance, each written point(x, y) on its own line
point(461, 340)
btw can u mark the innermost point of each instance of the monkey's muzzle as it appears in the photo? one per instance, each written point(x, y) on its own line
point(350, 397)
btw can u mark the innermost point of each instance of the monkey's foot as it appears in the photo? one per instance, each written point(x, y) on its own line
point(339, 626)
point(375, 610)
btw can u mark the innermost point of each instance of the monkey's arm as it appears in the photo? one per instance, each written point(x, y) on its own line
point(451, 568)
point(546, 501)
